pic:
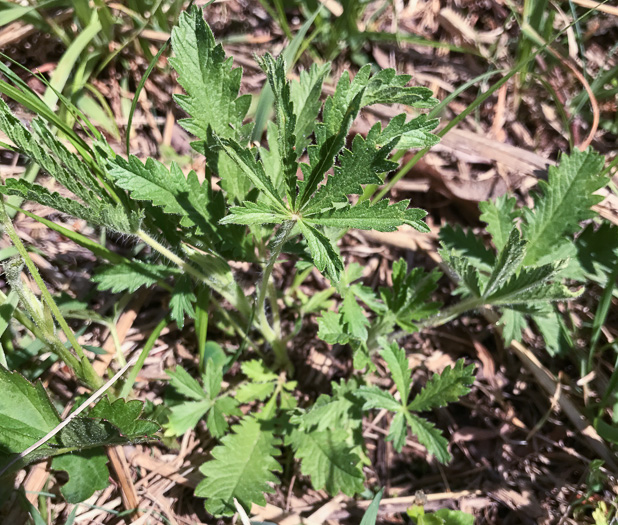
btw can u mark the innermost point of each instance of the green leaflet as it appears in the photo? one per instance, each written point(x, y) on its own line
point(131, 275)
point(562, 203)
point(114, 217)
point(360, 165)
point(328, 460)
point(207, 77)
point(509, 284)
point(262, 382)
point(51, 155)
point(429, 436)
point(341, 410)
point(409, 299)
point(500, 216)
point(168, 188)
point(255, 213)
point(305, 94)
point(387, 87)
point(446, 387)
point(212, 99)
point(397, 362)
point(253, 169)
point(182, 300)
point(365, 216)
point(332, 329)
point(242, 467)
point(324, 255)
point(286, 120)
point(26, 414)
point(506, 264)
point(470, 245)
point(415, 133)
point(87, 473)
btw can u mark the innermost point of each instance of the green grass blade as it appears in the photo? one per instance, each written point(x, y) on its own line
point(137, 367)
point(140, 86)
point(600, 315)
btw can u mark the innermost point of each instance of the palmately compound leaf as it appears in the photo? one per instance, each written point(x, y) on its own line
point(87, 473)
point(205, 402)
point(328, 460)
point(500, 215)
point(242, 468)
point(564, 201)
point(130, 275)
point(444, 388)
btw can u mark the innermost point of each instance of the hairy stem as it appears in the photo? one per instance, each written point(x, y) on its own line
point(235, 297)
point(452, 312)
point(88, 375)
point(269, 334)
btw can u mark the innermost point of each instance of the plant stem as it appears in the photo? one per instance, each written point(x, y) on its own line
point(235, 297)
point(58, 349)
point(267, 331)
point(88, 374)
point(452, 312)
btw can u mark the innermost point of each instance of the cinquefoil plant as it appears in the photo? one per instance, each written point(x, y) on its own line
point(296, 194)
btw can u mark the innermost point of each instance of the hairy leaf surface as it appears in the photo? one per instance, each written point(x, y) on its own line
point(242, 467)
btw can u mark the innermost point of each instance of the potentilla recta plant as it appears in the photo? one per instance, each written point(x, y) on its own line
point(287, 200)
